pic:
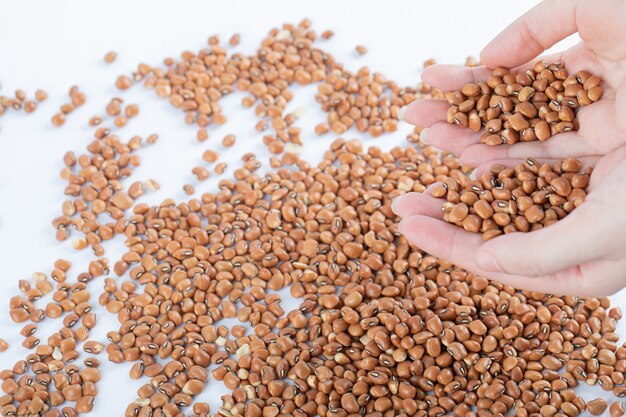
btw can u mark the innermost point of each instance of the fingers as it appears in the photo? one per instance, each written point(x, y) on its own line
point(449, 137)
point(531, 34)
point(442, 239)
point(560, 284)
point(612, 273)
point(620, 103)
point(579, 280)
point(574, 240)
point(453, 77)
point(413, 204)
point(460, 247)
point(431, 114)
point(424, 113)
point(563, 145)
point(600, 126)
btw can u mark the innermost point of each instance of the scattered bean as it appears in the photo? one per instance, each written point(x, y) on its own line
point(58, 119)
point(616, 409)
point(597, 406)
point(228, 141)
point(123, 82)
point(109, 57)
point(40, 95)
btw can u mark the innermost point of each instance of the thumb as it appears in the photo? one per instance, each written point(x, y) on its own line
point(575, 240)
point(531, 34)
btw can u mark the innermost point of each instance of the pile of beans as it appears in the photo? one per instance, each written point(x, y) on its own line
point(382, 329)
point(250, 247)
point(523, 107)
point(521, 199)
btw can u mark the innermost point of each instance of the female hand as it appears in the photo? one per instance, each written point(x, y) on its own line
point(600, 24)
point(585, 253)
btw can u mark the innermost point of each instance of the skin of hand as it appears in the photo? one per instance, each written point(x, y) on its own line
point(585, 253)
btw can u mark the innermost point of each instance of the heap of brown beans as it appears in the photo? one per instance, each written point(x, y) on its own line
point(521, 199)
point(525, 106)
point(30, 385)
point(383, 329)
point(250, 247)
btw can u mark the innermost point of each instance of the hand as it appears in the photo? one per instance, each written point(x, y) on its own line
point(600, 24)
point(585, 253)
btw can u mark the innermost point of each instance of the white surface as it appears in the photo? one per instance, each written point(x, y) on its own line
point(54, 45)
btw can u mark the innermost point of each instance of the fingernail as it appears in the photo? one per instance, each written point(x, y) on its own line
point(402, 226)
point(423, 134)
point(394, 204)
point(428, 189)
point(487, 262)
point(472, 175)
point(402, 113)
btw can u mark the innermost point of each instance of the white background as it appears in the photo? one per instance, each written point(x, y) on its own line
point(54, 45)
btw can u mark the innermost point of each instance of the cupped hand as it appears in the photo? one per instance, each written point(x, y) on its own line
point(583, 254)
point(602, 51)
